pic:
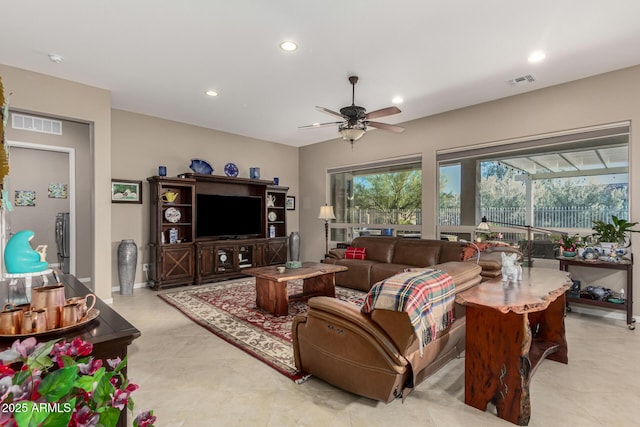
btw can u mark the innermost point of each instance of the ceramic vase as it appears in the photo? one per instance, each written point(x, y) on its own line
point(294, 246)
point(127, 261)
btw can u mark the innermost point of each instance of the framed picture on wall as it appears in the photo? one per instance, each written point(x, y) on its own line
point(126, 191)
point(291, 203)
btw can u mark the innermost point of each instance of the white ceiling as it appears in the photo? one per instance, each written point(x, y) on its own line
point(158, 57)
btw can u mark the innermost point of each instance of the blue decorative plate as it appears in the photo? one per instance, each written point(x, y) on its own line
point(230, 169)
point(201, 166)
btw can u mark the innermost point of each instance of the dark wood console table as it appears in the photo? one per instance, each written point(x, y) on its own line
point(109, 333)
point(510, 330)
point(624, 265)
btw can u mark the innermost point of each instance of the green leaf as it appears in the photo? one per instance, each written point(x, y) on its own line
point(32, 414)
point(40, 358)
point(103, 391)
point(58, 383)
point(89, 382)
point(109, 417)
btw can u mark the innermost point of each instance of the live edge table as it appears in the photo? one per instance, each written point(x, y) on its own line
point(510, 329)
point(271, 285)
point(109, 333)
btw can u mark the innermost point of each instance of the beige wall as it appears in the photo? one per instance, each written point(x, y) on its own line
point(53, 97)
point(607, 98)
point(141, 143)
point(77, 136)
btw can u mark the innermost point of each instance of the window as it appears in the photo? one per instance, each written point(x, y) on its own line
point(383, 198)
point(561, 182)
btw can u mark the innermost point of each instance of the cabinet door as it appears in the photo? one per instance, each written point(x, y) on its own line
point(206, 260)
point(224, 259)
point(177, 262)
point(276, 251)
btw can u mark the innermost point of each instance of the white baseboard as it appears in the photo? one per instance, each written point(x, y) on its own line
point(135, 286)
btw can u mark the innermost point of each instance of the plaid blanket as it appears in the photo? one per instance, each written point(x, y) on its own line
point(426, 295)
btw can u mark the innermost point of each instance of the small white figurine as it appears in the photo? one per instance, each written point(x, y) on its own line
point(511, 270)
point(42, 250)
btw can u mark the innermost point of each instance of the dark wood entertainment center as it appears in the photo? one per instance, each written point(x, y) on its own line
point(183, 253)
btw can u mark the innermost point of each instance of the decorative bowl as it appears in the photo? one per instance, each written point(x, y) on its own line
point(568, 254)
point(201, 166)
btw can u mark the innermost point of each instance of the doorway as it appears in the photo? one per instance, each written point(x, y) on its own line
point(41, 184)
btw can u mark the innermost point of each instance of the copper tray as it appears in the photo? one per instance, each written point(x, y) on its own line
point(91, 315)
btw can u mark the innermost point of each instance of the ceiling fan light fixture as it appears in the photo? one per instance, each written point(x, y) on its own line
point(352, 133)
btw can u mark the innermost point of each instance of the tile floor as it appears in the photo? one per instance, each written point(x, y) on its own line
point(190, 377)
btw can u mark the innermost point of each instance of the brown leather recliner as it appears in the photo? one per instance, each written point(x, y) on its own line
point(376, 355)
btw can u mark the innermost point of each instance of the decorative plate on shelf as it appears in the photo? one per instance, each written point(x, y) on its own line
point(201, 166)
point(230, 169)
point(272, 216)
point(172, 215)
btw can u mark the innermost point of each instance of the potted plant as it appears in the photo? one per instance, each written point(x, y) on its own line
point(569, 244)
point(60, 384)
point(615, 232)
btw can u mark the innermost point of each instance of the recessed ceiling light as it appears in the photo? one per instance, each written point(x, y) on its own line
point(211, 93)
point(54, 57)
point(397, 100)
point(537, 56)
point(288, 46)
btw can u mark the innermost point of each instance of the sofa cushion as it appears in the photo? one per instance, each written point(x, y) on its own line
point(379, 248)
point(358, 275)
point(382, 270)
point(355, 253)
point(419, 253)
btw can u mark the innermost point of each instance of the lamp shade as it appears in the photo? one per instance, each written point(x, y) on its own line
point(326, 213)
point(483, 227)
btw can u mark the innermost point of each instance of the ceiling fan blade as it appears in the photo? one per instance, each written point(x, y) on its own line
point(392, 128)
point(333, 113)
point(317, 125)
point(383, 112)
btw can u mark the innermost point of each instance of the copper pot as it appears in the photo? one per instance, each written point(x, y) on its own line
point(53, 299)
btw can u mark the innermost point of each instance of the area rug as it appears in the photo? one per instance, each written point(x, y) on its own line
point(228, 309)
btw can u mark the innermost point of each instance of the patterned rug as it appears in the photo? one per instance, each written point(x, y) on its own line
point(228, 309)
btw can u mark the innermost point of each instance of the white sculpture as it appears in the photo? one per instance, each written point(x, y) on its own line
point(511, 270)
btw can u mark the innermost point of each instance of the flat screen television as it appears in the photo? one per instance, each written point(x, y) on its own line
point(228, 217)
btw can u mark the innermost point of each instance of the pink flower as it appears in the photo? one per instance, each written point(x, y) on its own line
point(90, 367)
point(84, 417)
point(113, 363)
point(120, 399)
point(144, 419)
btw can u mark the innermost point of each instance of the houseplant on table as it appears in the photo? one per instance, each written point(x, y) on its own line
point(60, 384)
point(615, 232)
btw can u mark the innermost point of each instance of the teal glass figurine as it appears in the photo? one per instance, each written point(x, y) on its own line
point(20, 257)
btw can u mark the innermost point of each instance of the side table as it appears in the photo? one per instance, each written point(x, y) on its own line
point(625, 265)
point(510, 330)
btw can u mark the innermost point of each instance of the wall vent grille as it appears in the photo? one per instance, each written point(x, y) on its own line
point(523, 80)
point(36, 124)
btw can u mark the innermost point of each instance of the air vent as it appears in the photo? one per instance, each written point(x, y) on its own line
point(36, 124)
point(520, 81)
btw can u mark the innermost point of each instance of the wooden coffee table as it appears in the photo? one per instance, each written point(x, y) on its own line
point(271, 286)
point(510, 330)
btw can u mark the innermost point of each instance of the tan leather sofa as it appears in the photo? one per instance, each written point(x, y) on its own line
point(377, 355)
point(387, 256)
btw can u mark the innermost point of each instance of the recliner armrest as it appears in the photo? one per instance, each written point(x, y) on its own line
point(335, 310)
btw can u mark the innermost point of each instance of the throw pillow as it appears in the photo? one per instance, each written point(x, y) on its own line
point(355, 253)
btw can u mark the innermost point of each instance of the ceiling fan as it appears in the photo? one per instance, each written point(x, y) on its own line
point(356, 119)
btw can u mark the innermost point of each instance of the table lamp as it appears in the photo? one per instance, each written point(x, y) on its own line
point(326, 213)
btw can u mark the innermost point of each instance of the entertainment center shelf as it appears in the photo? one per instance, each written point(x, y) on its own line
point(206, 227)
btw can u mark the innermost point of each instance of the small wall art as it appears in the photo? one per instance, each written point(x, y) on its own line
point(291, 203)
point(25, 198)
point(126, 191)
point(57, 191)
